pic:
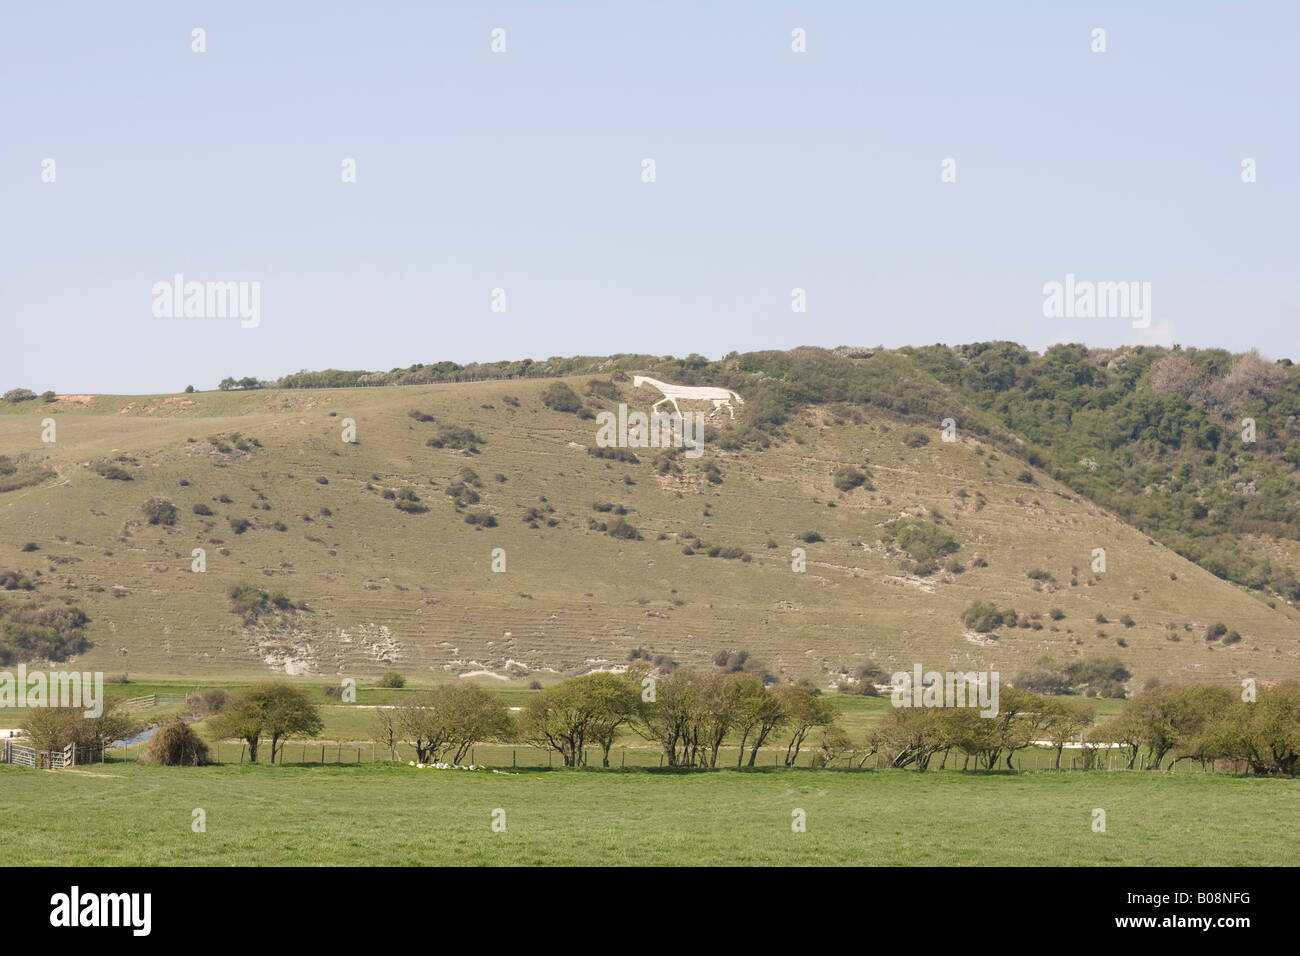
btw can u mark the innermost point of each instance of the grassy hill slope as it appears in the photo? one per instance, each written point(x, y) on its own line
point(375, 588)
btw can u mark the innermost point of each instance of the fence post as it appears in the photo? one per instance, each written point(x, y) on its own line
point(513, 757)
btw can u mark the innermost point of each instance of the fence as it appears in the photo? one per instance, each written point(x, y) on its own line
point(23, 756)
point(152, 700)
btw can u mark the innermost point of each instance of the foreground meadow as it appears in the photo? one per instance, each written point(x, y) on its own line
point(385, 814)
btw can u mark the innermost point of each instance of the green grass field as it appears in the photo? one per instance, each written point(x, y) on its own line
point(131, 814)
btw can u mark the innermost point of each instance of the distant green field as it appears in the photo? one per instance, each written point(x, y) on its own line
point(132, 814)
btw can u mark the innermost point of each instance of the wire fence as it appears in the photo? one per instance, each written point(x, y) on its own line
point(525, 756)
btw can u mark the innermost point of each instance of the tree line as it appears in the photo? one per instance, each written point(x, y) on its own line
point(692, 714)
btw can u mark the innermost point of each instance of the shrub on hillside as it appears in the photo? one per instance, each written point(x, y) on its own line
point(622, 529)
point(450, 436)
point(392, 679)
point(158, 510)
point(848, 477)
point(983, 618)
point(602, 389)
point(114, 472)
point(16, 395)
point(625, 455)
point(15, 581)
point(559, 397)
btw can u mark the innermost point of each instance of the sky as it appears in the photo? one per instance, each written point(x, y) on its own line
point(524, 171)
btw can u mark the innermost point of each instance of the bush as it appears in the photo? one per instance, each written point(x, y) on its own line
point(392, 679)
point(15, 581)
point(621, 529)
point(420, 416)
point(1215, 631)
point(985, 618)
point(451, 437)
point(189, 389)
point(31, 546)
point(240, 525)
point(481, 519)
point(201, 509)
point(561, 398)
point(923, 541)
point(176, 745)
point(616, 454)
point(847, 478)
point(209, 702)
point(16, 395)
point(112, 472)
point(811, 537)
point(916, 438)
point(158, 510)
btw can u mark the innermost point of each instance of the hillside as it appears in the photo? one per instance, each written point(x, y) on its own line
point(369, 587)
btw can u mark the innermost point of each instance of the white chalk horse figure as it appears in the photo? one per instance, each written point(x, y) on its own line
point(718, 396)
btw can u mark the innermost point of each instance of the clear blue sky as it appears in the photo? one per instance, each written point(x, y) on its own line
point(522, 171)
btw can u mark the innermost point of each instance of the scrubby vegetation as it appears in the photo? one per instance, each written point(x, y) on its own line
point(159, 510)
point(450, 436)
point(35, 631)
point(256, 606)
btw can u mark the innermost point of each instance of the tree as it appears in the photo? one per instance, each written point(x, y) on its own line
point(1063, 720)
point(673, 718)
point(615, 699)
point(473, 715)
point(444, 723)
point(94, 734)
point(273, 709)
point(48, 726)
point(565, 716)
point(288, 711)
point(910, 735)
point(386, 731)
point(1264, 734)
point(804, 710)
point(758, 713)
point(421, 724)
point(53, 728)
